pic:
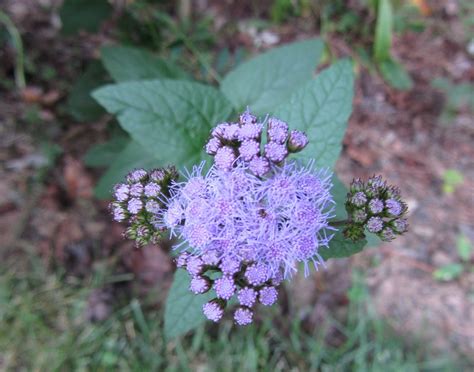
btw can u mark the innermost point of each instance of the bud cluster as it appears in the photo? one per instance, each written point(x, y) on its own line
point(250, 283)
point(243, 140)
point(139, 199)
point(377, 207)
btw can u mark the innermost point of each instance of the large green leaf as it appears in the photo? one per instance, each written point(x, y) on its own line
point(128, 64)
point(134, 155)
point(171, 119)
point(183, 310)
point(268, 79)
point(340, 247)
point(321, 108)
point(104, 154)
point(339, 194)
point(87, 15)
point(79, 102)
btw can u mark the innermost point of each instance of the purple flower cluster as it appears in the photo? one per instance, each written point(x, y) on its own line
point(252, 230)
point(139, 199)
point(254, 217)
point(377, 207)
point(243, 140)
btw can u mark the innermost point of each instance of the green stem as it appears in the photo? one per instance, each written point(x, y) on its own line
point(20, 57)
point(339, 223)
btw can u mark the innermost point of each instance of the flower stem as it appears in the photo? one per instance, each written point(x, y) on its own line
point(339, 223)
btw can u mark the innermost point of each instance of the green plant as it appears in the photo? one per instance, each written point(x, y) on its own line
point(453, 271)
point(458, 97)
point(452, 178)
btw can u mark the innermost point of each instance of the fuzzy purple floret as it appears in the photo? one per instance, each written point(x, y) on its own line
point(247, 296)
point(152, 190)
point(249, 149)
point(182, 260)
point(268, 296)
point(374, 224)
point(359, 199)
point(119, 213)
point(275, 152)
point(152, 206)
point(137, 175)
point(230, 265)
point(224, 287)
point(359, 216)
point(198, 285)
point(212, 311)
point(247, 118)
point(277, 130)
point(121, 192)
point(297, 140)
point(243, 316)
point(157, 175)
point(231, 132)
point(394, 207)
point(210, 258)
point(250, 132)
point(257, 274)
point(376, 206)
point(400, 225)
point(259, 166)
point(219, 130)
point(194, 265)
point(224, 158)
point(136, 190)
point(134, 205)
point(213, 145)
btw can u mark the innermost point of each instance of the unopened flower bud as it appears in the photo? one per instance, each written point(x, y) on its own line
point(297, 141)
point(213, 310)
point(243, 316)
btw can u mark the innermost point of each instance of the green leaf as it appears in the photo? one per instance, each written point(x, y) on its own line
point(452, 178)
point(339, 193)
point(321, 108)
point(183, 309)
point(464, 247)
point(340, 247)
point(171, 119)
point(395, 74)
point(448, 272)
point(267, 80)
point(127, 64)
point(383, 31)
point(79, 103)
point(84, 15)
point(132, 156)
point(103, 154)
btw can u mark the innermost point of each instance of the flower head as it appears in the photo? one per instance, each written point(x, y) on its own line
point(268, 296)
point(247, 296)
point(297, 141)
point(244, 218)
point(277, 130)
point(213, 311)
point(225, 157)
point(243, 316)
